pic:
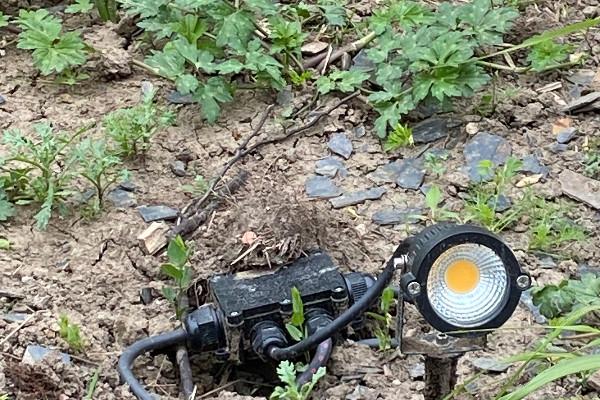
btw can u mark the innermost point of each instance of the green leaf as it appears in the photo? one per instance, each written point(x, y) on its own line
point(433, 198)
point(264, 7)
point(287, 373)
point(3, 20)
point(209, 95)
point(201, 59)
point(80, 6)
point(169, 63)
point(325, 84)
point(191, 27)
point(172, 271)
point(297, 308)
point(177, 251)
point(294, 332)
point(4, 244)
point(553, 300)
point(559, 370)
point(169, 293)
point(236, 31)
point(144, 8)
point(7, 209)
point(231, 66)
point(547, 54)
point(334, 12)
point(186, 84)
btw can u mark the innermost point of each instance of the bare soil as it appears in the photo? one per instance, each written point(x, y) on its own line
point(93, 270)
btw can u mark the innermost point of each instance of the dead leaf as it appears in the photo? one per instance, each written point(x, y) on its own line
point(249, 237)
point(529, 180)
point(560, 125)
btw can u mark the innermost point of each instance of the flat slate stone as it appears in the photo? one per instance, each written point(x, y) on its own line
point(340, 144)
point(15, 317)
point(34, 354)
point(2, 100)
point(122, 198)
point(566, 135)
point(412, 173)
point(352, 198)
point(501, 204)
point(177, 98)
point(362, 62)
point(359, 131)
point(580, 188)
point(485, 146)
point(157, 213)
point(558, 147)
point(532, 164)
point(429, 130)
point(128, 186)
point(178, 168)
point(582, 103)
point(490, 364)
point(330, 167)
point(393, 216)
point(321, 187)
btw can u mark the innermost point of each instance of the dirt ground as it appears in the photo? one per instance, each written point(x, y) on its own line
point(94, 270)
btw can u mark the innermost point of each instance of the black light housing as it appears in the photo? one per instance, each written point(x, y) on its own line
point(462, 278)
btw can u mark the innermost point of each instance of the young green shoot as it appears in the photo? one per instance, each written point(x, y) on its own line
point(70, 333)
point(198, 188)
point(178, 270)
point(437, 213)
point(434, 163)
point(383, 319)
point(286, 371)
point(400, 137)
point(295, 326)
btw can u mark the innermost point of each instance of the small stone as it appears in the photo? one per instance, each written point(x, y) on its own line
point(580, 188)
point(353, 198)
point(472, 128)
point(582, 77)
point(86, 196)
point(359, 131)
point(34, 354)
point(285, 96)
point(330, 167)
point(429, 130)
point(128, 186)
point(147, 88)
point(566, 135)
point(157, 213)
point(527, 301)
point(64, 265)
point(386, 173)
point(416, 370)
point(122, 198)
point(500, 204)
point(485, 146)
point(532, 164)
point(529, 180)
point(177, 98)
point(314, 47)
point(362, 62)
point(547, 263)
point(340, 144)
point(412, 174)
point(490, 364)
point(146, 295)
point(393, 216)
point(178, 168)
point(558, 147)
point(583, 103)
point(321, 187)
point(2, 100)
point(15, 317)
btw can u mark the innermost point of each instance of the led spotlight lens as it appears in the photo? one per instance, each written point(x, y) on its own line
point(467, 285)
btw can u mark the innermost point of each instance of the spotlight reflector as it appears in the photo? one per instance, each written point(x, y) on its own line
point(462, 278)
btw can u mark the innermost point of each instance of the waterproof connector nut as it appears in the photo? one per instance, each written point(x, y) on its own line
point(267, 334)
point(204, 328)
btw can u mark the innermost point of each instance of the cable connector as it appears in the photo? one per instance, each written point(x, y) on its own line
point(267, 334)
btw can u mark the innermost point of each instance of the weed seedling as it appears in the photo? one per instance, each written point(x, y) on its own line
point(70, 333)
point(37, 171)
point(434, 163)
point(54, 51)
point(198, 188)
point(384, 319)
point(591, 159)
point(401, 136)
point(91, 388)
point(287, 374)
point(132, 128)
point(296, 327)
point(7, 209)
point(178, 270)
point(433, 200)
point(99, 167)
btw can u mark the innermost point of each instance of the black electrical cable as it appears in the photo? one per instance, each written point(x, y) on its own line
point(319, 360)
point(344, 319)
point(140, 347)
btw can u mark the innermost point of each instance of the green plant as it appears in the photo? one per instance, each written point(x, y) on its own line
point(547, 54)
point(3, 397)
point(296, 327)
point(3, 20)
point(7, 209)
point(550, 229)
point(433, 200)
point(434, 163)
point(485, 197)
point(4, 244)
point(198, 188)
point(38, 170)
point(557, 300)
point(54, 51)
point(287, 38)
point(178, 270)
point(132, 128)
point(107, 9)
point(401, 136)
point(344, 81)
point(99, 166)
point(591, 159)
point(287, 374)
point(300, 79)
point(91, 388)
point(70, 333)
point(80, 7)
point(384, 319)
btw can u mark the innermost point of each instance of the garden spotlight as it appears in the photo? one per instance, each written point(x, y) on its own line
point(463, 279)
